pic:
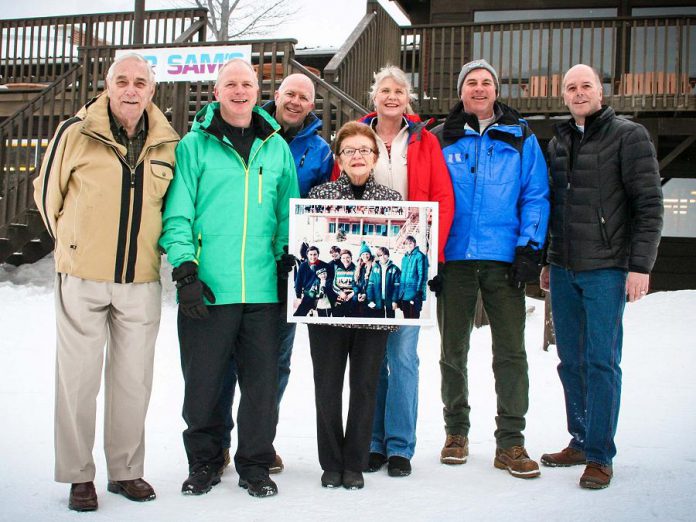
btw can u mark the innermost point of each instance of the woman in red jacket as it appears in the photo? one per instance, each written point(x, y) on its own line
point(410, 162)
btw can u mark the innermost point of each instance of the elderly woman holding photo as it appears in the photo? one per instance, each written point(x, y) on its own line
point(343, 454)
point(410, 162)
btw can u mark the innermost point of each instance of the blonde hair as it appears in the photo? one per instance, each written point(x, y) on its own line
point(237, 60)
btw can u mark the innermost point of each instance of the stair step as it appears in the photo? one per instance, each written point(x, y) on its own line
point(18, 233)
point(5, 248)
point(16, 259)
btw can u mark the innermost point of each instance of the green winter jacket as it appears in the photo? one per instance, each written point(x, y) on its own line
point(229, 217)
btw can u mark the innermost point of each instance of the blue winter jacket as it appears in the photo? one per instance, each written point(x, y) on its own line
point(414, 276)
point(313, 157)
point(391, 285)
point(501, 187)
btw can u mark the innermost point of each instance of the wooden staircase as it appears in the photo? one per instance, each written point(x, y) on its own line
point(23, 238)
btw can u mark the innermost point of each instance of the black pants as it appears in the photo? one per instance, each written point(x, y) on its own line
point(307, 304)
point(330, 347)
point(411, 311)
point(249, 333)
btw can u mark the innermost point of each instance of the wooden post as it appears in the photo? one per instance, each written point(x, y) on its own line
point(139, 21)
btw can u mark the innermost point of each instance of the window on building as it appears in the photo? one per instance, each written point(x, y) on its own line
point(680, 208)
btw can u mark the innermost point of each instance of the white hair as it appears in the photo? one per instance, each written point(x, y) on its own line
point(130, 56)
point(396, 74)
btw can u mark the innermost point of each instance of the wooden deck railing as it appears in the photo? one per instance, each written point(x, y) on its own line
point(41, 49)
point(647, 64)
point(23, 141)
point(372, 44)
point(24, 136)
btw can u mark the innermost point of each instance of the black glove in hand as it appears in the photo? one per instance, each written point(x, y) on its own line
point(282, 281)
point(436, 283)
point(191, 291)
point(526, 266)
point(286, 262)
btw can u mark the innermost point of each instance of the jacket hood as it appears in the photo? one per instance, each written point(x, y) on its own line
point(311, 124)
point(457, 119)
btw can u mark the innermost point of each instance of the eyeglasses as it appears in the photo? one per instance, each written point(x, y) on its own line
point(349, 152)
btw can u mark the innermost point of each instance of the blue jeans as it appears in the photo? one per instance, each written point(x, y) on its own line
point(396, 410)
point(587, 313)
point(287, 338)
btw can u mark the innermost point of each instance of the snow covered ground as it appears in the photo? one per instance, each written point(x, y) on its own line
point(655, 470)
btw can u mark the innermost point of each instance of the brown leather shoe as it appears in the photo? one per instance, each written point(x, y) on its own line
point(564, 458)
point(516, 461)
point(456, 450)
point(596, 476)
point(277, 465)
point(83, 497)
point(137, 489)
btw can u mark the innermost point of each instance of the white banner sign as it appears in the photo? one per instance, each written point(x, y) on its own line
point(190, 64)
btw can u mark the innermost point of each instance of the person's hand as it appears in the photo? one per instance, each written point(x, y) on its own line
point(637, 285)
point(361, 297)
point(545, 279)
point(286, 262)
point(371, 305)
point(395, 306)
point(436, 283)
point(526, 266)
point(192, 291)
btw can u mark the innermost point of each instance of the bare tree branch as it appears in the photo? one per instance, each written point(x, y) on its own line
point(231, 19)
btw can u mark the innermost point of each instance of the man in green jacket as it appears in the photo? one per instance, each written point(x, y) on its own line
point(225, 226)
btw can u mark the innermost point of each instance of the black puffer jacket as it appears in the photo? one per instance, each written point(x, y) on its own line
point(606, 197)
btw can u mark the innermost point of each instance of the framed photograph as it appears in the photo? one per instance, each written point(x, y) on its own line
point(362, 262)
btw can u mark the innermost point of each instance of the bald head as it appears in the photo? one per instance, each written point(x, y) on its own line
point(582, 68)
point(297, 80)
point(294, 100)
point(582, 92)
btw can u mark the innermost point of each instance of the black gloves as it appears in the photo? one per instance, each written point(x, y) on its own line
point(286, 262)
point(283, 267)
point(435, 284)
point(526, 266)
point(191, 291)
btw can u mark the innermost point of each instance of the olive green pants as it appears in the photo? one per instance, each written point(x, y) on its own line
point(505, 308)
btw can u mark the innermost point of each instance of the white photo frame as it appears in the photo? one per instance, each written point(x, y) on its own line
point(323, 223)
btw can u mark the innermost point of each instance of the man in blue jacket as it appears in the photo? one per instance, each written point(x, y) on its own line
point(501, 215)
point(292, 109)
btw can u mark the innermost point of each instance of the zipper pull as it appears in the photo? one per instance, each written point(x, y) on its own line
point(132, 183)
point(490, 151)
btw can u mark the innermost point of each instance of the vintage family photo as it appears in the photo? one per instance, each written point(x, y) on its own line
point(362, 262)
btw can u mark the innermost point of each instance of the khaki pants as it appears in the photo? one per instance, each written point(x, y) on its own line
point(125, 318)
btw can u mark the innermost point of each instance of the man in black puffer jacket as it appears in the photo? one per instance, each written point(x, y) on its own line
point(606, 219)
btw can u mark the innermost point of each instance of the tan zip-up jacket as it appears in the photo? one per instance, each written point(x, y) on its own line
point(105, 217)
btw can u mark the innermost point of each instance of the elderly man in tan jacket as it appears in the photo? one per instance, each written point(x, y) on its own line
point(100, 194)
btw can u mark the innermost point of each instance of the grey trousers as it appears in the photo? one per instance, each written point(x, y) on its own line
point(124, 318)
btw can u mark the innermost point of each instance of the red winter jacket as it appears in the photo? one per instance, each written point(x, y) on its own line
point(428, 177)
